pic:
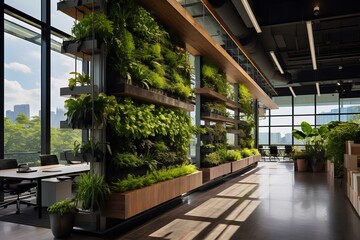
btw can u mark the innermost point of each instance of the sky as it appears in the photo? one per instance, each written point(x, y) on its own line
point(22, 63)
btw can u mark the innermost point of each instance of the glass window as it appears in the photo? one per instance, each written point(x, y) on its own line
point(281, 121)
point(263, 136)
point(299, 119)
point(32, 8)
point(280, 135)
point(264, 121)
point(61, 66)
point(304, 104)
point(350, 105)
point(327, 103)
point(22, 94)
point(324, 119)
point(284, 104)
point(350, 118)
point(60, 20)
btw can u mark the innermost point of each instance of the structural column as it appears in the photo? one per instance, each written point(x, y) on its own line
point(45, 76)
point(197, 107)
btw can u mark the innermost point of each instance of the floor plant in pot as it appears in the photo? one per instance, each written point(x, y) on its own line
point(62, 217)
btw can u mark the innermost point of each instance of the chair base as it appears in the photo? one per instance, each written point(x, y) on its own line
point(17, 201)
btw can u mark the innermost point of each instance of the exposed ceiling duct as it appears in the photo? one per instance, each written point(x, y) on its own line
point(248, 38)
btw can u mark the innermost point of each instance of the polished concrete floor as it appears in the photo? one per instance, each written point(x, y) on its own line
point(269, 202)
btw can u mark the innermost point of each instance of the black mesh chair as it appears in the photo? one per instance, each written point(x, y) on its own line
point(288, 151)
point(14, 187)
point(48, 159)
point(274, 153)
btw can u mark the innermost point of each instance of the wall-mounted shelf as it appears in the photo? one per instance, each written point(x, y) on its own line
point(148, 96)
point(217, 118)
point(78, 8)
point(209, 93)
point(82, 49)
point(77, 90)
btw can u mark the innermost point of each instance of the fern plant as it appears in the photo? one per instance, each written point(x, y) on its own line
point(79, 79)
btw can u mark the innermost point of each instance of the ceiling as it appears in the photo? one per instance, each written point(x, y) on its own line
point(336, 30)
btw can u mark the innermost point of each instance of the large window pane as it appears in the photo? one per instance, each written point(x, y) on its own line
point(350, 118)
point(350, 105)
point(304, 104)
point(61, 66)
point(324, 119)
point(60, 20)
point(22, 96)
point(327, 104)
point(299, 119)
point(280, 135)
point(32, 8)
point(281, 121)
point(263, 136)
point(264, 121)
point(284, 104)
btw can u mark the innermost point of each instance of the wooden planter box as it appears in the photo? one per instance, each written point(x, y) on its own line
point(148, 96)
point(238, 165)
point(257, 158)
point(217, 118)
point(215, 172)
point(128, 204)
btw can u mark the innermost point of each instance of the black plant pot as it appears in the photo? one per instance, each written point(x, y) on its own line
point(62, 225)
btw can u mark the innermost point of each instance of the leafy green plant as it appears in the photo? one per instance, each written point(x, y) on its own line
point(255, 151)
point(63, 207)
point(212, 159)
point(80, 79)
point(214, 78)
point(126, 160)
point(132, 182)
point(80, 112)
point(103, 27)
point(245, 101)
point(232, 155)
point(85, 149)
point(92, 191)
point(246, 152)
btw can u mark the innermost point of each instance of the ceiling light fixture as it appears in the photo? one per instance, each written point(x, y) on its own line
point(292, 91)
point(251, 15)
point(317, 88)
point(311, 43)
point(276, 62)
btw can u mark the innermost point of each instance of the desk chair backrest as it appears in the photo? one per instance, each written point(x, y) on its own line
point(8, 164)
point(273, 150)
point(48, 159)
point(288, 149)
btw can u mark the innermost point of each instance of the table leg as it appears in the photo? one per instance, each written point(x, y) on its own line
point(38, 198)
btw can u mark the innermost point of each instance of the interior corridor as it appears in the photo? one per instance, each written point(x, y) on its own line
point(269, 202)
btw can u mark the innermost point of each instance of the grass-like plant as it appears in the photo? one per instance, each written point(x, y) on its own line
point(79, 79)
point(132, 182)
point(92, 191)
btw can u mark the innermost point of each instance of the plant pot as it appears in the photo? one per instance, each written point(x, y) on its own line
point(302, 165)
point(318, 167)
point(62, 225)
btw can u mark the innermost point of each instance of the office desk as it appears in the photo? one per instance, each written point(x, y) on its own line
point(44, 172)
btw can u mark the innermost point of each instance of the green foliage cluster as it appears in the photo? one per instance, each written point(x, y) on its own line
point(338, 133)
point(144, 53)
point(216, 107)
point(80, 79)
point(222, 156)
point(214, 78)
point(92, 191)
point(80, 111)
point(125, 160)
point(245, 100)
point(63, 207)
point(103, 27)
point(141, 121)
point(246, 152)
point(233, 155)
point(132, 182)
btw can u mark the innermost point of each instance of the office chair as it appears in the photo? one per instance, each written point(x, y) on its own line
point(274, 152)
point(14, 187)
point(288, 151)
point(48, 159)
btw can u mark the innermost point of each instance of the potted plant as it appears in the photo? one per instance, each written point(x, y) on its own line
point(62, 216)
point(85, 149)
point(79, 79)
point(92, 191)
point(80, 111)
point(301, 162)
point(314, 139)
